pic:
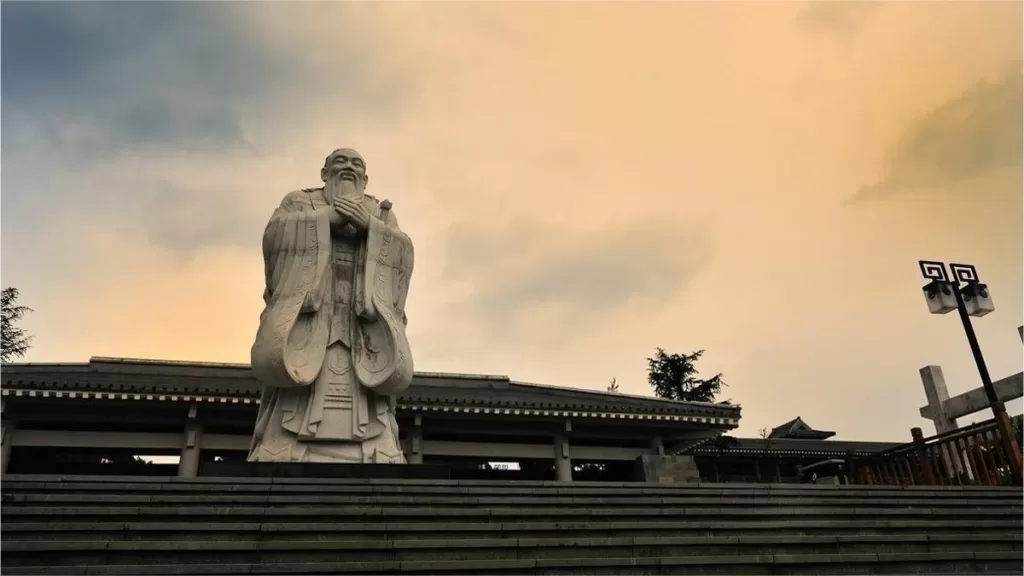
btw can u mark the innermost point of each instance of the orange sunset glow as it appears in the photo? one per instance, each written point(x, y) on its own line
point(583, 181)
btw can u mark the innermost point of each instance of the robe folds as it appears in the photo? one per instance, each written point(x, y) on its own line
point(327, 297)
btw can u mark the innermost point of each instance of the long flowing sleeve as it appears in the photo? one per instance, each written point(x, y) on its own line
point(291, 341)
point(383, 360)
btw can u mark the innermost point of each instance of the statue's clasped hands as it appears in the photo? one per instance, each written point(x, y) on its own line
point(353, 211)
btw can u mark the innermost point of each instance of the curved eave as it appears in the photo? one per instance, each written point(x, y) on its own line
point(126, 378)
point(402, 406)
point(829, 453)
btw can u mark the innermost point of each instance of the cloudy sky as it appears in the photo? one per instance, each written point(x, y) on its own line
point(584, 182)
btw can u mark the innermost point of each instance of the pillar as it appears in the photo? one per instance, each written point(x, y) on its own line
point(657, 446)
point(416, 441)
point(937, 393)
point(188, 464)
point(563, 460)
point(6, 436)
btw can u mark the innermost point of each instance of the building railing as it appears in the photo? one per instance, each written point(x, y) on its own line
point(975, 455)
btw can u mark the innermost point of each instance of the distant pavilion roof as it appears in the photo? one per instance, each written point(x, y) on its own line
point(792, 447)
point(798, 429)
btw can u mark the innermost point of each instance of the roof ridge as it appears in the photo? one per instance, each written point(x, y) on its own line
point(621, 394)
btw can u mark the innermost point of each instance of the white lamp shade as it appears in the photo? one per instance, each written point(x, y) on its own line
point(977, 299)
point(939, 296)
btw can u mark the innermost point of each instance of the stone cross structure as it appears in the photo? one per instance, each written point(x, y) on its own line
point(331, 350)
point(943, 410)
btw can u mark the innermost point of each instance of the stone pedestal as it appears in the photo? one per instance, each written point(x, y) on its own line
point(324, 470)
point(659, 469)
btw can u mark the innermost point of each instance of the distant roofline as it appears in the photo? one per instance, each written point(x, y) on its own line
point(439, 375)
point(622, 395)
point(158, 362)
point(44, 364)
point(229, 365)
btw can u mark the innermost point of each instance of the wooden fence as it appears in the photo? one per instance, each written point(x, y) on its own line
point(975, 455)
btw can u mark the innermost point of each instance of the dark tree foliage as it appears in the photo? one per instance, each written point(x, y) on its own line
point(674, 377)
point(14, 342)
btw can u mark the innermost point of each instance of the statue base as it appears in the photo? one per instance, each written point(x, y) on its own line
point(324, 470)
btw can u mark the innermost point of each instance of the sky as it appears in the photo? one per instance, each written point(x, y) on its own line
point(584, 182)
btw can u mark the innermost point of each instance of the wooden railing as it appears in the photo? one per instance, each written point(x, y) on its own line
point(975, 455)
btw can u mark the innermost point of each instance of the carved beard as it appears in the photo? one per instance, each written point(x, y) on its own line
point(337, 187)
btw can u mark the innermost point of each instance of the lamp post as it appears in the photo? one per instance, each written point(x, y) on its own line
point(944, 294)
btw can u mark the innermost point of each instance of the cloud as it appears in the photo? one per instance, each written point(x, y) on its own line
point(843, 19)
point(161, 113)
point(133, 74)
point(528, 268)
point(968, 136)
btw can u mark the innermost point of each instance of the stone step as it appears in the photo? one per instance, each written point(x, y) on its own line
point(845, 563)
point(131, 485)
point(86, 498)
point(434, 482)
point(380, 531)
point(484, 514)
point(141, 552)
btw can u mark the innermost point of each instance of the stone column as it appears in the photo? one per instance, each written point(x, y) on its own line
point(188, 465)
point(937, 393)
point(415, 455)
point(657, 446)
point(6, 436)
point(563, 459)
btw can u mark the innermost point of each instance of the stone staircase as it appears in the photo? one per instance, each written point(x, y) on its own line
point(142, 525)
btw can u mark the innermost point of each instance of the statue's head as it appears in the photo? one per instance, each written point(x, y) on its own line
point(345, 166)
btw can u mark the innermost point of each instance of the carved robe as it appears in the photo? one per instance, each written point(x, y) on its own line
point(331, 350)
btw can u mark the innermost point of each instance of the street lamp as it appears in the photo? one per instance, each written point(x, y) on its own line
point(944, 294)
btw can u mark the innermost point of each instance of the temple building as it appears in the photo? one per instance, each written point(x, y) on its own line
point(165, 418)
point(777, 456)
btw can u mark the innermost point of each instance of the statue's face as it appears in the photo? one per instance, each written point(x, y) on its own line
point(345, 165)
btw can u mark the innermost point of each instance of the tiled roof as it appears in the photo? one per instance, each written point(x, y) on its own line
point(234, 382)
point(797, 428)
point(784, 446)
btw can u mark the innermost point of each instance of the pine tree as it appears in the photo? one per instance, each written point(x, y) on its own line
point(674, 377)
point(14, 341)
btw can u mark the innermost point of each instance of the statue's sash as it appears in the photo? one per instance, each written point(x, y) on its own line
point(380, 349)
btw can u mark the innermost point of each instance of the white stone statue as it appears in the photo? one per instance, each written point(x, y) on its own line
point(331, 350)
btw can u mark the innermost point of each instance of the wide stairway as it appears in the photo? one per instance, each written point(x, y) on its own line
point(139, 525)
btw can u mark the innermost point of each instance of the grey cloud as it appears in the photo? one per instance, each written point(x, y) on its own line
point(190, 219)
point(179, 73)
point(529, 265)
point(840, 18)
point(86, 82)
point(136, 74)
point(977, 132)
